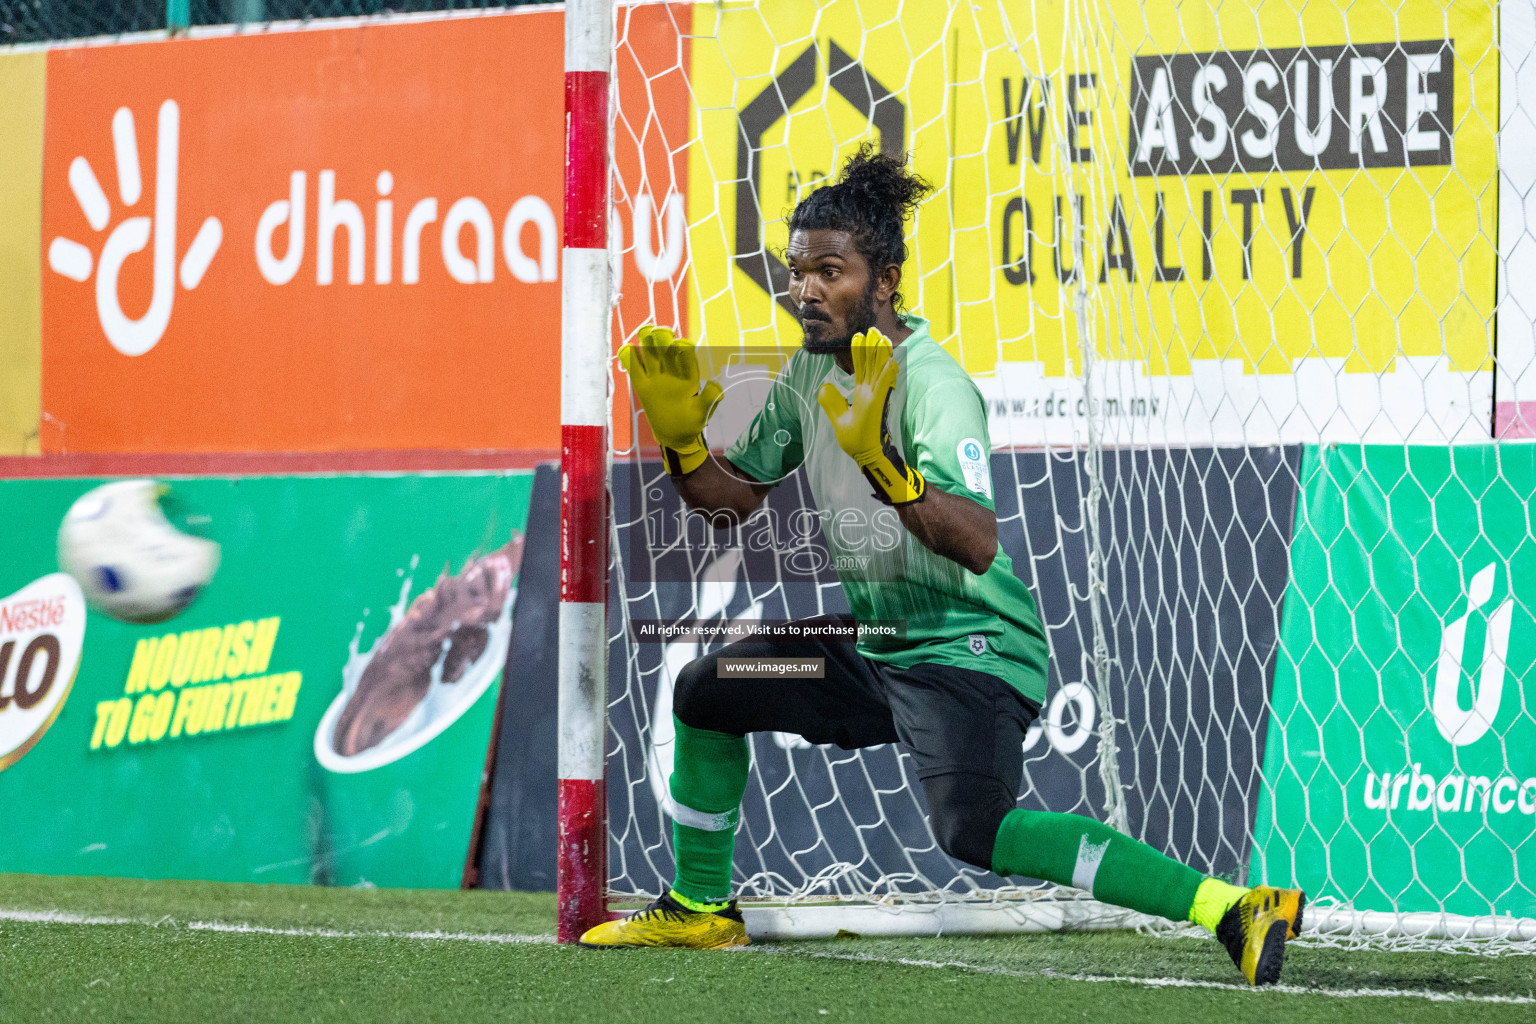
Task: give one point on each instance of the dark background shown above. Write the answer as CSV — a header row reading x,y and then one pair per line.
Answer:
x,y
1195,546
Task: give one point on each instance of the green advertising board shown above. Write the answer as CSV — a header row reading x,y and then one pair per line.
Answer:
x,y
319,714
1400,764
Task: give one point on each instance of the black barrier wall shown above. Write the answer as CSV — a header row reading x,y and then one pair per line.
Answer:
x,y
1195,556
517,838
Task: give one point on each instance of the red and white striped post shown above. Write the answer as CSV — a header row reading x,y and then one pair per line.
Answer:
x,y
582,867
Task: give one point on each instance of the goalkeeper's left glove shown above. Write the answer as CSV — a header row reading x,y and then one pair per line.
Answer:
x,y
664,372
859,421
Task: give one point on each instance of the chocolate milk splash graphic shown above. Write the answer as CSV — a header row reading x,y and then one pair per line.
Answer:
x,y
415,675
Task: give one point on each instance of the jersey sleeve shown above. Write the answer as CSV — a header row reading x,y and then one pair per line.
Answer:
x,y
771,447
947,428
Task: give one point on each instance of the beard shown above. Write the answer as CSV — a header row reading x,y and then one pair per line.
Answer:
x,y
858,320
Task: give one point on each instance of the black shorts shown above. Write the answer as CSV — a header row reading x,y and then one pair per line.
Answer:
x,y
950,719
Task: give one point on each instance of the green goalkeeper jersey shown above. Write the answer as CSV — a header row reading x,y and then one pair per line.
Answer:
x,y
936,417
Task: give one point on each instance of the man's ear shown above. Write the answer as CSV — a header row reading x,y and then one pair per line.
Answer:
x,y
888,282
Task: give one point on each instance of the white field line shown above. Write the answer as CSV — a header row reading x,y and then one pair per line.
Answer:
x,y
1296,990
328,933
241,928
61,917
65,917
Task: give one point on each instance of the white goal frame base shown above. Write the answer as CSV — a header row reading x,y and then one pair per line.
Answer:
x,y
769,920
772,921
1343,922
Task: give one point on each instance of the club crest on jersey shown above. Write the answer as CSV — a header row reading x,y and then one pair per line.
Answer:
x,y
974,470
978,644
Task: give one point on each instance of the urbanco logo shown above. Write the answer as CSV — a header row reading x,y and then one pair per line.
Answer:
x,y
1498,778
71,259
1459,725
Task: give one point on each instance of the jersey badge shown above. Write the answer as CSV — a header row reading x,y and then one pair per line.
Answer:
x,y
978,644
973,466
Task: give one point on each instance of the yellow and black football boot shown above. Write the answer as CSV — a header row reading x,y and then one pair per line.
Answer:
x,y
667,923
1254,930
1289,904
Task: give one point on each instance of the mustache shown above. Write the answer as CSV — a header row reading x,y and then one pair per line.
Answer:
x,y
811,314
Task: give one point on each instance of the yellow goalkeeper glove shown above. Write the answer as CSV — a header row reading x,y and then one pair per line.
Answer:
x,y
664,373
859,421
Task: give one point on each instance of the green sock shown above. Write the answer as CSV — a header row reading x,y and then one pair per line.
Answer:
x,y
709,776
1069,849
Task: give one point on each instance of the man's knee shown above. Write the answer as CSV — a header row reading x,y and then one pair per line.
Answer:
x,y
965,812
690,702
966,837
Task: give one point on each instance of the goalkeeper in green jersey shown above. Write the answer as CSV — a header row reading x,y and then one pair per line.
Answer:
x,y
880,418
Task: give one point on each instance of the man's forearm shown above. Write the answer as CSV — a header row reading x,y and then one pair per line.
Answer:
x,y
716,491
953,526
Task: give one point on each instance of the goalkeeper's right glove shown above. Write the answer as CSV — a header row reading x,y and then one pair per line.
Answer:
x,y
859,423
664,373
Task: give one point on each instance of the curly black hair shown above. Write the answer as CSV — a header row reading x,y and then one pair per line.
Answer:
x,y
873,197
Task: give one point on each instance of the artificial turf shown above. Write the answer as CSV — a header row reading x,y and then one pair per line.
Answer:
x,y
361,955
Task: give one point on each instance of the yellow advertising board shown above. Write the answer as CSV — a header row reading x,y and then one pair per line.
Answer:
x,y
1159,221
1152,221
23,77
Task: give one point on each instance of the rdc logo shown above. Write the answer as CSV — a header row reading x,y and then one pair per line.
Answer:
x,y
73,260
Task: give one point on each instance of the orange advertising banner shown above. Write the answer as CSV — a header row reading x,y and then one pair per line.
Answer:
x,y
315,241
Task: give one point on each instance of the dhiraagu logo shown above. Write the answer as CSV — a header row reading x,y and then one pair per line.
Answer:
x,y
75,260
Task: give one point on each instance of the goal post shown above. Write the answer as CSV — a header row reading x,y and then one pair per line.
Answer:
x,y
1210,267
586,316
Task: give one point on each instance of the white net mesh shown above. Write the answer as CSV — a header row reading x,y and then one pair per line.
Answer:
x,y
1228,281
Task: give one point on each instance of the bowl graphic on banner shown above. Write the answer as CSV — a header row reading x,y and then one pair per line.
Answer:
x,y
441,652
42,630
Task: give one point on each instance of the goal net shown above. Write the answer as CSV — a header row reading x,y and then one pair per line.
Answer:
x,y
1229,282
